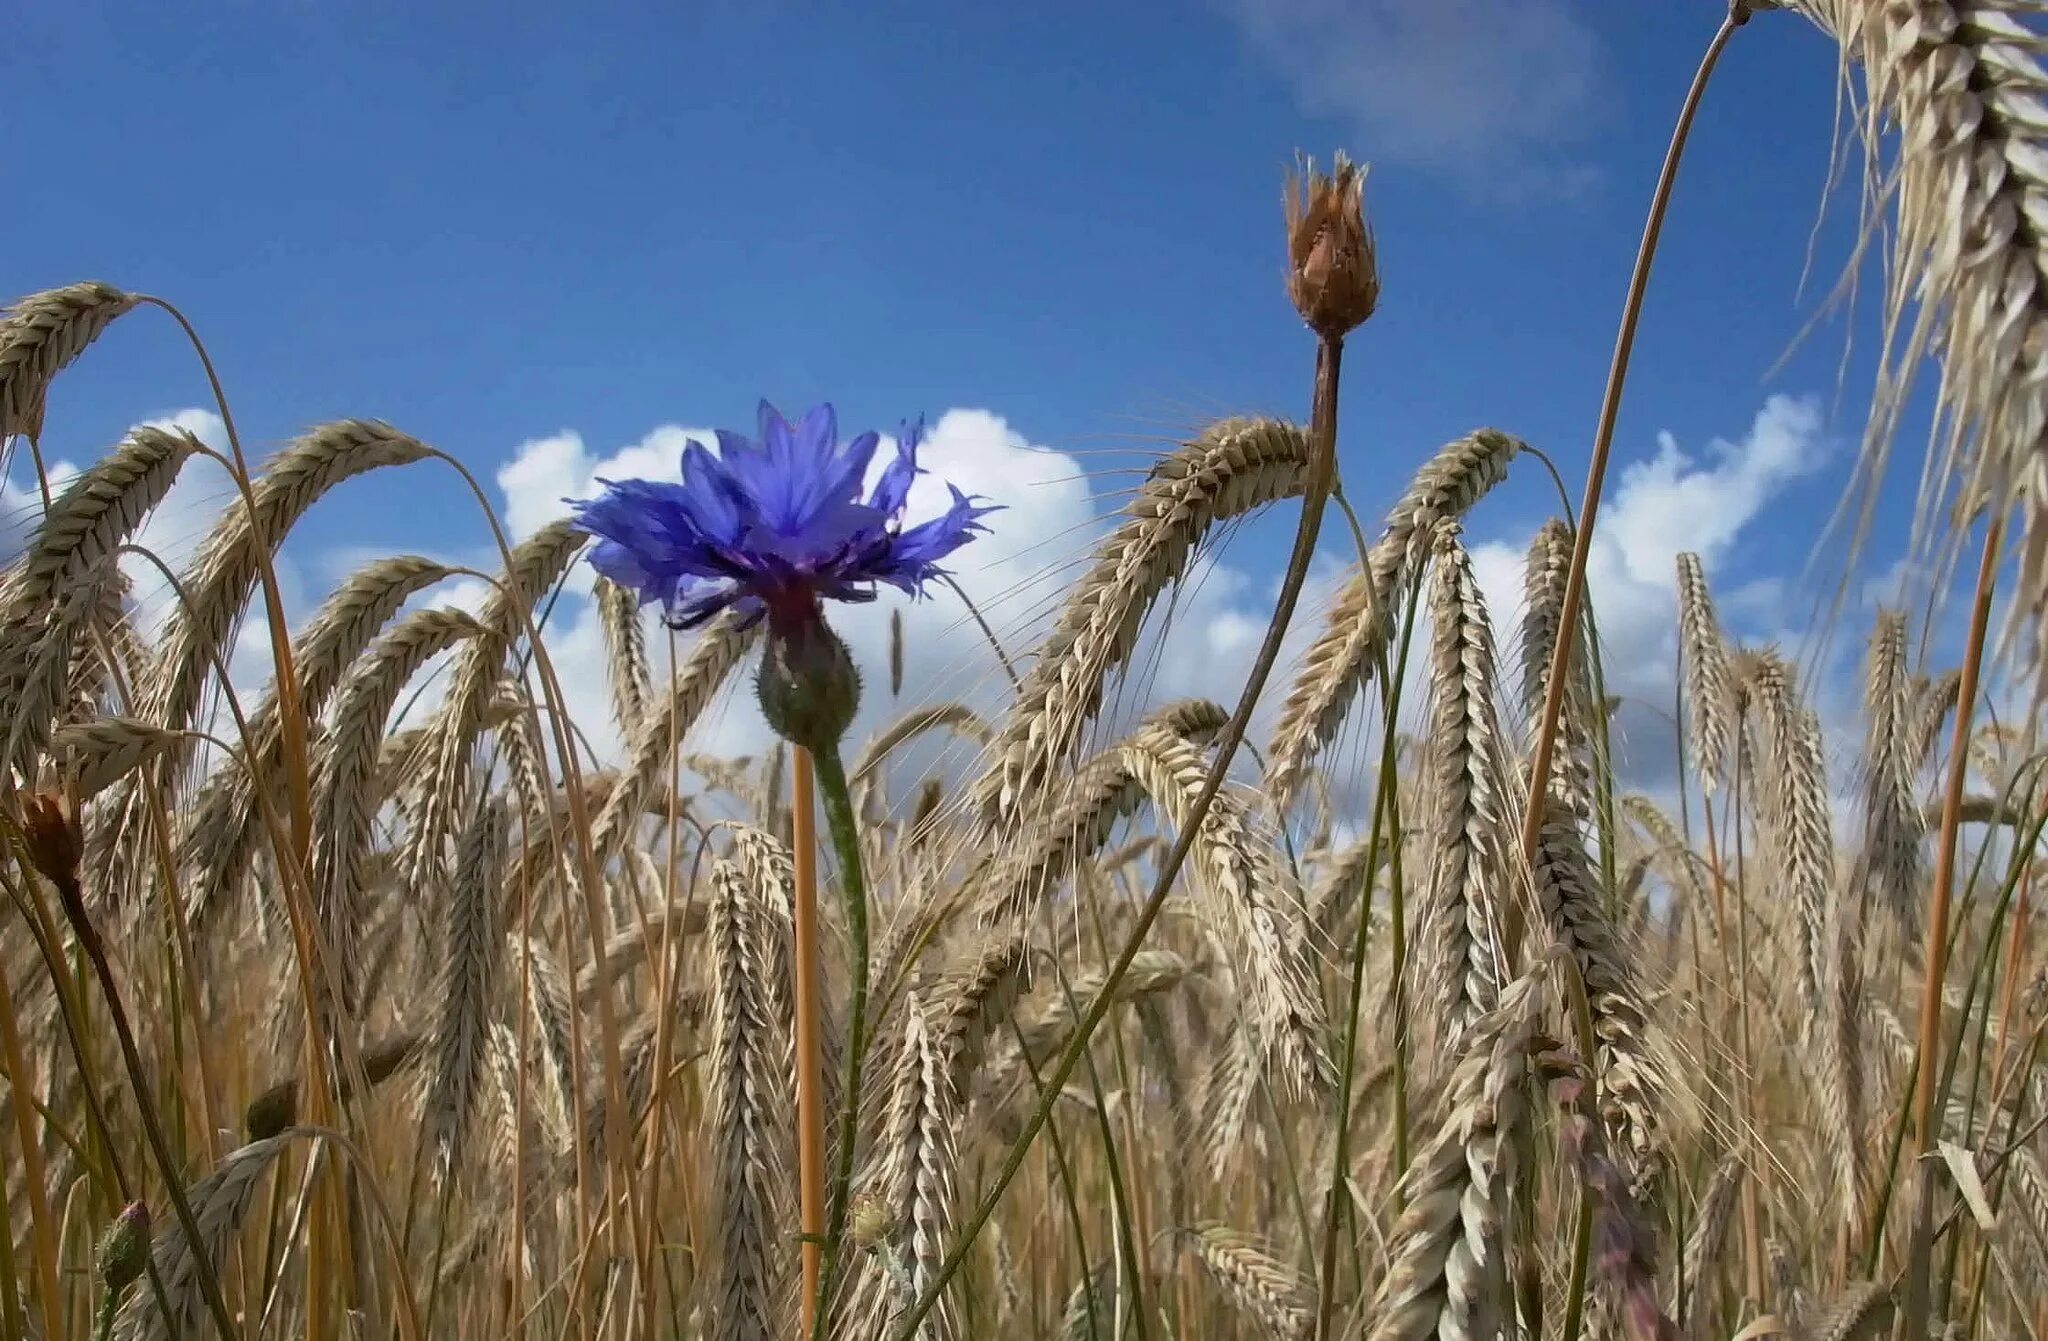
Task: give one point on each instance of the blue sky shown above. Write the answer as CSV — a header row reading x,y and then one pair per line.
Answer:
x,y
492,224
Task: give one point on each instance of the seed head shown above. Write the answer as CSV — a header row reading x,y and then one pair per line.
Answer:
x,y
869,1220
808,686
124,1248
1332,271
55,839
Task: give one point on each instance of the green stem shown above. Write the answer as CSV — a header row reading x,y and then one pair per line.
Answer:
x,y
844,831
110,1303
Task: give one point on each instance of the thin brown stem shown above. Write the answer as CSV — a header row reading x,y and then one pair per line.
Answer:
x,y
810,1085
1913,1309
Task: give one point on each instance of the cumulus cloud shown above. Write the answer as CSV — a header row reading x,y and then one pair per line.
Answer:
x,y
1199,644
1488,93
1671,502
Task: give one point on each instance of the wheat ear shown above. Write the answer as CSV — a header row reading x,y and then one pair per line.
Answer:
x,y
747,1077
1360,623
1233,468
39,337
1447,1277
471,944
1893,826
1461,956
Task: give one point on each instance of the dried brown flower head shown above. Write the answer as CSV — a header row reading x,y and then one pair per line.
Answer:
x,y
1332,272
55,839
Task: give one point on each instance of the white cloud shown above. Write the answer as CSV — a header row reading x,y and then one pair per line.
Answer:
x,y
1486,91
1661,506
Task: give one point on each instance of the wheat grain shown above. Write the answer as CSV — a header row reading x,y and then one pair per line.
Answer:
x,y
1704,659
1263,1288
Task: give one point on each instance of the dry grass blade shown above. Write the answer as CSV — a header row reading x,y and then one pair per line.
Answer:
x,y
39,336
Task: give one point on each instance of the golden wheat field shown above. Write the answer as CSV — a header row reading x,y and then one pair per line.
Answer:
x,y
1371,1004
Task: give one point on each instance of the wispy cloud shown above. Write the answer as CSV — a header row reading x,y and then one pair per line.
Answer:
x,y
1491,94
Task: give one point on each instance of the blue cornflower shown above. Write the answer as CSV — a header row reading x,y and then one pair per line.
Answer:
x,y
773,527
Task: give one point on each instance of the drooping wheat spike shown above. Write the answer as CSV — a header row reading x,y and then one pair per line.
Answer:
x,y
1634,1092
224,571
471,943
720,646
1361,621
39,336
1543,582
1682,867
96,512
1235,467
1152,971
1264,1288
537,563
1964,86
40,687
1340,881
1091,1305
1862,1312
94,515
1446,1277
107,653
747,1078
1703,1248
1893,827
93,754
344,767
1461,952
220,1202
625,655
1933,701
1703,657
1798,818
1255,910
955,717
915,1179
225,826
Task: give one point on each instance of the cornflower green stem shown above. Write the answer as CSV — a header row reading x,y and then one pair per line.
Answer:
x,y
844,831
110,1304
1316,495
